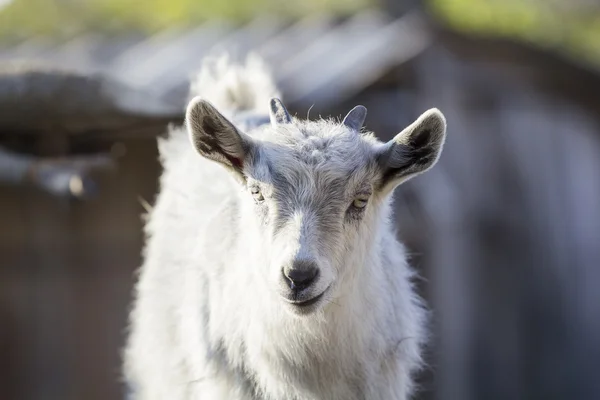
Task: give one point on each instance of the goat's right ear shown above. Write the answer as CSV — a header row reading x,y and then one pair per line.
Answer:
x,y
215,138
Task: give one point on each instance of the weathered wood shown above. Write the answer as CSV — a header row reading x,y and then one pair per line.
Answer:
x,y
36,99
65,280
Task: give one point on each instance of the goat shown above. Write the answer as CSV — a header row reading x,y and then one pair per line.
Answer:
x,y
271,269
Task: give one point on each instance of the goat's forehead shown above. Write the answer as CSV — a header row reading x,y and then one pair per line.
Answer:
x,y
317,152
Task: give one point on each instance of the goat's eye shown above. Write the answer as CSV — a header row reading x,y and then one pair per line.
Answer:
x,y
360,202
258,197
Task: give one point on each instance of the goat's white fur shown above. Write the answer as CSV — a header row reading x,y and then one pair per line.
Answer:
x,y
203,326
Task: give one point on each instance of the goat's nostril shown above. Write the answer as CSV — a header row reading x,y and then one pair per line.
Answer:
x,y
301,278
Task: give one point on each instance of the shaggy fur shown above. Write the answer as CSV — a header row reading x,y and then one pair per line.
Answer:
x,y
213,315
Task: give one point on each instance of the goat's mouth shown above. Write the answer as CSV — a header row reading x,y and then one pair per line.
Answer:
x,y
305,306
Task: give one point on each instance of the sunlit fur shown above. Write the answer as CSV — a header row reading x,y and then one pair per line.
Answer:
x,y
208,320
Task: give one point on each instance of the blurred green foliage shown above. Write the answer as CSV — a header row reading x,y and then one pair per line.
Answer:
x,y
65,18
570,26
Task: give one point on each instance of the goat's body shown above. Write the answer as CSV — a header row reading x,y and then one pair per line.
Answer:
x,y
204,327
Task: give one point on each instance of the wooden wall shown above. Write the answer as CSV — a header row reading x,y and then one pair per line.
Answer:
x,y
65,278
506,231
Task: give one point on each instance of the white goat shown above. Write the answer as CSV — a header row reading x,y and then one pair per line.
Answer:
x,y
272,270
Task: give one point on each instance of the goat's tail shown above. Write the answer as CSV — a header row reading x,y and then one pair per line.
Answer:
x,y
234,87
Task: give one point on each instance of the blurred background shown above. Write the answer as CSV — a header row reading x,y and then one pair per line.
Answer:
x,y
505,230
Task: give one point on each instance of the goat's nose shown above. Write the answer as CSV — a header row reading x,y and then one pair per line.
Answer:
x,y
301,274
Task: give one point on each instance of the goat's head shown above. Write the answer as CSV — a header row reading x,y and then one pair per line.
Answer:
x,y
312,191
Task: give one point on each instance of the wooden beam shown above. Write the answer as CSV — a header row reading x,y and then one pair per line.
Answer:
x,y
63,177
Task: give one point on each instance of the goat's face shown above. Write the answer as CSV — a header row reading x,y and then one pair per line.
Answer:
x,y
309,209
312,189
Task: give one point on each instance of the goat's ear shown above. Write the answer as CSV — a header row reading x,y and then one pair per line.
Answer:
x,y
413,151
215,138
278,113
355,119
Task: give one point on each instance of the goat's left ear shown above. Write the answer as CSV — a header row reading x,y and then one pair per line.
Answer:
x,y
216,138
413,151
